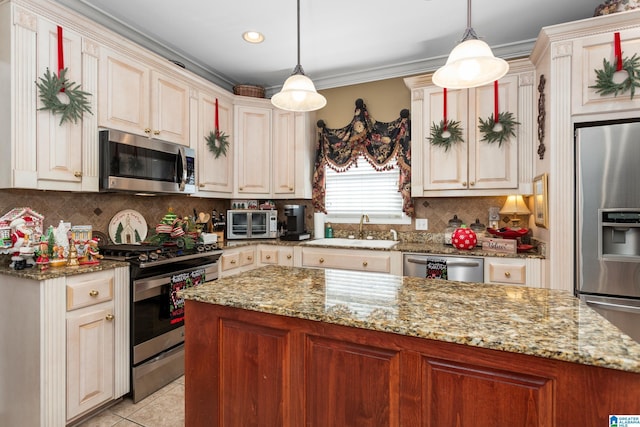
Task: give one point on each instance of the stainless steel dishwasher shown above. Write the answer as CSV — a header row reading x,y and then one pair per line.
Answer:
x,y
463,269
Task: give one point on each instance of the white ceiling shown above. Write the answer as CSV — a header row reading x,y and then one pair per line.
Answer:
x,y
342,41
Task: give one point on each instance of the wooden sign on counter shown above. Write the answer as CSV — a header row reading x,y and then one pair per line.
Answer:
x,y
505,246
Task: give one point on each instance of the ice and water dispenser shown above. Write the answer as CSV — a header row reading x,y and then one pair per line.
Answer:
x,y
619,234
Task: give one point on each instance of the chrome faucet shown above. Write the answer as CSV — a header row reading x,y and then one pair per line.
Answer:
x,y
362,219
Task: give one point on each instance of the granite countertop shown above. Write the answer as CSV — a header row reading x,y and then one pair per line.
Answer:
x,y
35,273
414,247
539,322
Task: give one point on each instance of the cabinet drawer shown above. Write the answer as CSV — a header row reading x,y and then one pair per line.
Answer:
x,y
85,292
507,273
356,260
269,256
237,259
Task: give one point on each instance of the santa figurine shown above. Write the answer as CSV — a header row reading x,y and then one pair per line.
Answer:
x,y
20,242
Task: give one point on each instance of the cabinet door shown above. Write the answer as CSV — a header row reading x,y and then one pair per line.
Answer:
x,y
215,176
492,165
284,153
253,157
588,56
123,103
59,153
169,109
90,359
444,169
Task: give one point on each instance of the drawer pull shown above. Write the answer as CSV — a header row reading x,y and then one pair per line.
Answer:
x,y
289,256
233,261
365,263
93,293
268,257
507,274
77,174
250,258
110,317
147,130
321,260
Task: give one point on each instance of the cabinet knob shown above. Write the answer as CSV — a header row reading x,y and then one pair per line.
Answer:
x,y
321,260
289,256
77,174
201,185
240,188
156,132
109,317
93,293
365,263
507,274
233,261
290,188
250,258
472,183
147,130
268,257
464,183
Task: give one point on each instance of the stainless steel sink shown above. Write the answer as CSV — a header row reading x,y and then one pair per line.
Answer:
x,y
353,243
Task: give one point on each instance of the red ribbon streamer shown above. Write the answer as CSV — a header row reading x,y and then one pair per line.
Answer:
x,y
60,53
618,50
216,119
445,109
495,101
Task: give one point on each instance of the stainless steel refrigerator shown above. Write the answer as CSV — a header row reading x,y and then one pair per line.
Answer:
x,y
608,221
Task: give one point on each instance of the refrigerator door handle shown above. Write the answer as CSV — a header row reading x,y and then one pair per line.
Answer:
x,y
612,306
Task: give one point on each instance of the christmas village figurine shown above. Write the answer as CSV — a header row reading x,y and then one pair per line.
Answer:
x,y
22,255
91,252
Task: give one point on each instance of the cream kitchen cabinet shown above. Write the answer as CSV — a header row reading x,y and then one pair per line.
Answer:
x,y
515,271
60,355
215,175
275,151
45,154
353,259
588,55
137,98
473,167
276,255
236,260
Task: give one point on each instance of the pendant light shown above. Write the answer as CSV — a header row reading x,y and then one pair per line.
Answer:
x,y
298,92
471,63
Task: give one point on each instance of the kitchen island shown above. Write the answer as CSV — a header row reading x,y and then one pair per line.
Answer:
x,y
292,346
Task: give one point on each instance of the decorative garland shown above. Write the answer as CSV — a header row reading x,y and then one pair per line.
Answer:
x,y
604,78
444,135
218,142
498,131
50,87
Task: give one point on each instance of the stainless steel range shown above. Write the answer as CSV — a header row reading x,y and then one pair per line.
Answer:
x,y
157,315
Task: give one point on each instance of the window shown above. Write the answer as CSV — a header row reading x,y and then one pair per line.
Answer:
x,y
363,190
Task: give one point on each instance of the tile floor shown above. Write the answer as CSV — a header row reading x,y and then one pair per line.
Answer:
x,y
164,408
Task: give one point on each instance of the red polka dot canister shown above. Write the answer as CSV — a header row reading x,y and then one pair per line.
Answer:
x,y
464,238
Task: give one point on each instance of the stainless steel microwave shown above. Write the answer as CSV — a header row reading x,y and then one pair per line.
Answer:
x,y
252,224
138,164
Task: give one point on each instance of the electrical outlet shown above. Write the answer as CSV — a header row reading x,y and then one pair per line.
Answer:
x,y
422,224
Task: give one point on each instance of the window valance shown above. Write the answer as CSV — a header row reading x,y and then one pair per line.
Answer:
x,y
378,142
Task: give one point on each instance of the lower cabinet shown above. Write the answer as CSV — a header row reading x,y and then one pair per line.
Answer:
x,y
237,260
515,271
65,346
270,370
353,259
90,340
276,255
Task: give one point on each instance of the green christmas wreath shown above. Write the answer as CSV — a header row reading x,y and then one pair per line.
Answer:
x,y
604,78
445,138
218,142
51,85
498,131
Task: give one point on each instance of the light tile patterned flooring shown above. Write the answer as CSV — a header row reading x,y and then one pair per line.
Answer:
x,y
164,408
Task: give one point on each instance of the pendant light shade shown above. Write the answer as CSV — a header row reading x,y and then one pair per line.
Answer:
x,y
298,91
471,63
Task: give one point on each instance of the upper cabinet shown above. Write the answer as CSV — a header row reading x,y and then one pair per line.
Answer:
x,y
473,167
215,175
44,153
274,155
138,99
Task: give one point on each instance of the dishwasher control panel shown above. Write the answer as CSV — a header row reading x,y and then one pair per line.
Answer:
x,y
434,266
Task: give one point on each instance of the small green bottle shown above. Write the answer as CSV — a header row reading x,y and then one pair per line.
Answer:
x,y
328,231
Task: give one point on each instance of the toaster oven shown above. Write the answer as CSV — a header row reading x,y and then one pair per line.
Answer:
x,y
252,224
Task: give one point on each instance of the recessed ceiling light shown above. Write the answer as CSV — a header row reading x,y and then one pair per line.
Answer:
x,y
253,36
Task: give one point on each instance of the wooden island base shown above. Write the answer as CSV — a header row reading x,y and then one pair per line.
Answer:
x,y
245,368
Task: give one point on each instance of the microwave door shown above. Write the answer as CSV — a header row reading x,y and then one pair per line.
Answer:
x,y
181,169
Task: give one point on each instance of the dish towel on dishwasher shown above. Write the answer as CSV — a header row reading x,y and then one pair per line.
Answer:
x,y
436,268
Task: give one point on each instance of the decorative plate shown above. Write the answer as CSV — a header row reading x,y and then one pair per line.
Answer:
x,y
128,226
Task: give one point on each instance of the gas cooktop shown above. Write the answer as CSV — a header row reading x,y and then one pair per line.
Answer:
x,y
152,255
